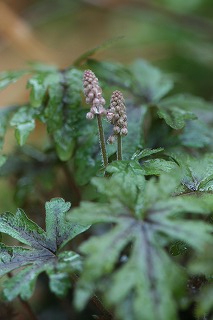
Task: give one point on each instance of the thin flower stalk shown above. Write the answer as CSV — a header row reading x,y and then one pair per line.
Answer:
x,y
93,94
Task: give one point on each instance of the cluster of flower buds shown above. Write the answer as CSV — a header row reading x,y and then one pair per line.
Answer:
x,y
93,94
116,115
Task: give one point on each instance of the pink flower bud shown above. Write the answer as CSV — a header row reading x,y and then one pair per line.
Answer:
x,y
90,116
124,131
96,101
110,116
102,100
94,110
116,129
91,95
102,111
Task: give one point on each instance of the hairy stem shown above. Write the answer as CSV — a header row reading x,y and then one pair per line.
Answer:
x,y
119,148
102,140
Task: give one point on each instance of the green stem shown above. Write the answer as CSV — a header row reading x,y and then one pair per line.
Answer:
x,y
102,140
119,150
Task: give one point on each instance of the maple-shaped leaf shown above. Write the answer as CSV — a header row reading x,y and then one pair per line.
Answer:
x,y
41,252
129,265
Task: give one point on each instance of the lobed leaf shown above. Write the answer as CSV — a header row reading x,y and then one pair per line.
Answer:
x,y
42,253
129,265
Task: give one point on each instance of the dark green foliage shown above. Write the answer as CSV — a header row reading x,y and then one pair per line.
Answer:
x,y
129,264
42,253
152,211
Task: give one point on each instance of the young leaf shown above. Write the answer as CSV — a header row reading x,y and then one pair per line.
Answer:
x,y
130,261
42,251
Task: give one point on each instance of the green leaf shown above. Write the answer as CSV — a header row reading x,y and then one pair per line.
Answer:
x,y
4,120
22,228
42,253
174,116
39,83
134,139
24,122
196,134
129,263
178,109
59,275
9,77
60,94
197,173
112,73
56,225
62,114
139,154
150,82
158,166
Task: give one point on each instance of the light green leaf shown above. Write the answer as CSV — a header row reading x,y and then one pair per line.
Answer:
x,y
39,84
24,122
